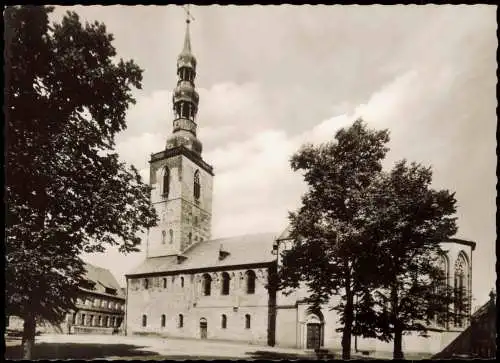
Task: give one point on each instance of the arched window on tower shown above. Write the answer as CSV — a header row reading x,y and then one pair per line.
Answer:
x,y
207,284
171,237
197,185
223,321
461,290
225,283
163,235
163,320
166,182
250,279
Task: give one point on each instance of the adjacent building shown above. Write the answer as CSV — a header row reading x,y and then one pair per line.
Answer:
x,y
100,308
193,286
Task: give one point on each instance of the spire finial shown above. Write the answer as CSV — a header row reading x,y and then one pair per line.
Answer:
x,y
189,17
187,38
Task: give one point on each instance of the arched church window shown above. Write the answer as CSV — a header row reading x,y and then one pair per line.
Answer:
x,y
197,185
163,235
442,287
181,320
144,321
250,279
461,289
171,237
166,182
224,321
182,281
225,283
207,284
163,320
247,321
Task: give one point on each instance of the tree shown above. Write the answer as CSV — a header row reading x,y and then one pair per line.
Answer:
x,y
66,96
407,220
331,253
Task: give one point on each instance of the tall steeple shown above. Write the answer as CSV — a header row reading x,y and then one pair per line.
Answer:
x,y
185,99
181,181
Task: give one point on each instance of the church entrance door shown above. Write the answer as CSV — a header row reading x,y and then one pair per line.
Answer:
x,y
313,336
203,328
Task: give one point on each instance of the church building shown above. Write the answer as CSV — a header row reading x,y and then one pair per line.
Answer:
x,y
193,286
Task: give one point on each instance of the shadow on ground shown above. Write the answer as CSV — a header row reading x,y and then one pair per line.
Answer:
x,y
262,354
78,351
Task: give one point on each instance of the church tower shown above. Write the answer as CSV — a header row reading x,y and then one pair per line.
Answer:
x,y
180,178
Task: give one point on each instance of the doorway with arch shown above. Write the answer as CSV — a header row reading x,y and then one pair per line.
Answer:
x,y
203,328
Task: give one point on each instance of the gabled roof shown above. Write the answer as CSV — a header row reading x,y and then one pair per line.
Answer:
x,y
241,250
103,278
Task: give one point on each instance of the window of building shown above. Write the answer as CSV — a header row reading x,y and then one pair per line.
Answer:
x,y
171,239
197,185
223,321
164,282
73,321
182,281
166,182
146,284
82,319
247,321
181,320
207,284
163,320
190,235
96,302
144,321
163,237
461,290
106,321
92,322
225,283
250,279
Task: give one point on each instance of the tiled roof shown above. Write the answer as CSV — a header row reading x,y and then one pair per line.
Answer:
x,y
241,250
102,277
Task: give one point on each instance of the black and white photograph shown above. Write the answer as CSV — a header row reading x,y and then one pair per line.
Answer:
x,y
259,182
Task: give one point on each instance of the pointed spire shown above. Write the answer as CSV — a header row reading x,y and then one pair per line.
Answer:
x,y
187,39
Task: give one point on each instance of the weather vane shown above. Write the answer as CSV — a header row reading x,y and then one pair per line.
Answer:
x,y
189,17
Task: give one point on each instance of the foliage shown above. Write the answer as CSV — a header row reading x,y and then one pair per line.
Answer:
x,y
66,97
407,220
330,254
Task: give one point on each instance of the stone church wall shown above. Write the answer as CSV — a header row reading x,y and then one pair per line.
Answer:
x,y
190,301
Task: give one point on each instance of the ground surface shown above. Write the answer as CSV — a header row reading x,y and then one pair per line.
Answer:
x,y
152,348
142,348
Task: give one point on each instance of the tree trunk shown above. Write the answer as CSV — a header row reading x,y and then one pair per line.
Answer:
x,y
28,342
398,343
397,352
348,318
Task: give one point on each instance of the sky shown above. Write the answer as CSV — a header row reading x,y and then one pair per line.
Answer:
x,y
271,78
